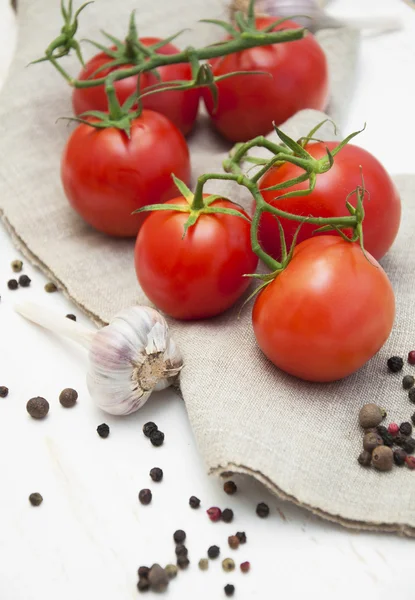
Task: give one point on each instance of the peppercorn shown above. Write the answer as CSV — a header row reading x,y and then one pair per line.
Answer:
x,y
171,571
228,565
143,572
370,415
410,462
233,542
372,441
411,357
412,418
245,566
17,266
181,550
4,391
382,458
179,536
405,428
229,487
408,382
229,589
143,584
399,457
203,564
35,499
68,397
395,364
214,513
103,430
145,496
388,439
50,287
24,281
365,458
213,551
411,395
409,445
156,474
183,562
194,502
227,515
380,429
12,284
158,578
148,428
157,438
37,407
393,429
262,510
71,317
241,537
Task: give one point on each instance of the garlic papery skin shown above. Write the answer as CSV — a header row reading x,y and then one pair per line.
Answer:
x,y
128,359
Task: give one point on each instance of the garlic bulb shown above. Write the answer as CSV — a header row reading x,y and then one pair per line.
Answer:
x,y
128,359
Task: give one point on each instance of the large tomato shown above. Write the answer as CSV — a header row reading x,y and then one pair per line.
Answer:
x,y
180,107
199,275
327,313
382,206
106,175
248,104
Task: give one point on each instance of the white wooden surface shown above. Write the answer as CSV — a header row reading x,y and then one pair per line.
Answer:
x,y
90,534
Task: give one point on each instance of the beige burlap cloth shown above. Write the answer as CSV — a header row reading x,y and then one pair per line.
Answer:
x,y
300,440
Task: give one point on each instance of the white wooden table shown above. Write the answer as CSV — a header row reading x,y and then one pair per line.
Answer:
x,y
90,534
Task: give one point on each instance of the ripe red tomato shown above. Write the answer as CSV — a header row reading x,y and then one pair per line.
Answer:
x,y
180,107
200,275
248,104
327,314
107,176
382,207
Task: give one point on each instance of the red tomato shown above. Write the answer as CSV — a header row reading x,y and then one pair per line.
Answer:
x,y
382,207
327,314
107,176
200,275
180,107
248,104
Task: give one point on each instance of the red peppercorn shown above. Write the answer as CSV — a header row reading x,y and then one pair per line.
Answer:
x,y
214,513
410,462
245,566
393,429
411,357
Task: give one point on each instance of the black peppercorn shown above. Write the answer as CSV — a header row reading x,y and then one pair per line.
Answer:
x,y
388,439
183,562
399,457
143,572
381,429
17,266
143,584
411,394
157,438
412,418
241,537
407,382
156,474
227,515
145,496
35,499
229,487
50,287
148,428
365,458
409,445
262,510
194,502
12,284
103,430
395,364
24,281
4,391
71,317
158,578
213,551
181,550
179,536
229,589
405,428
68,397
37,407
